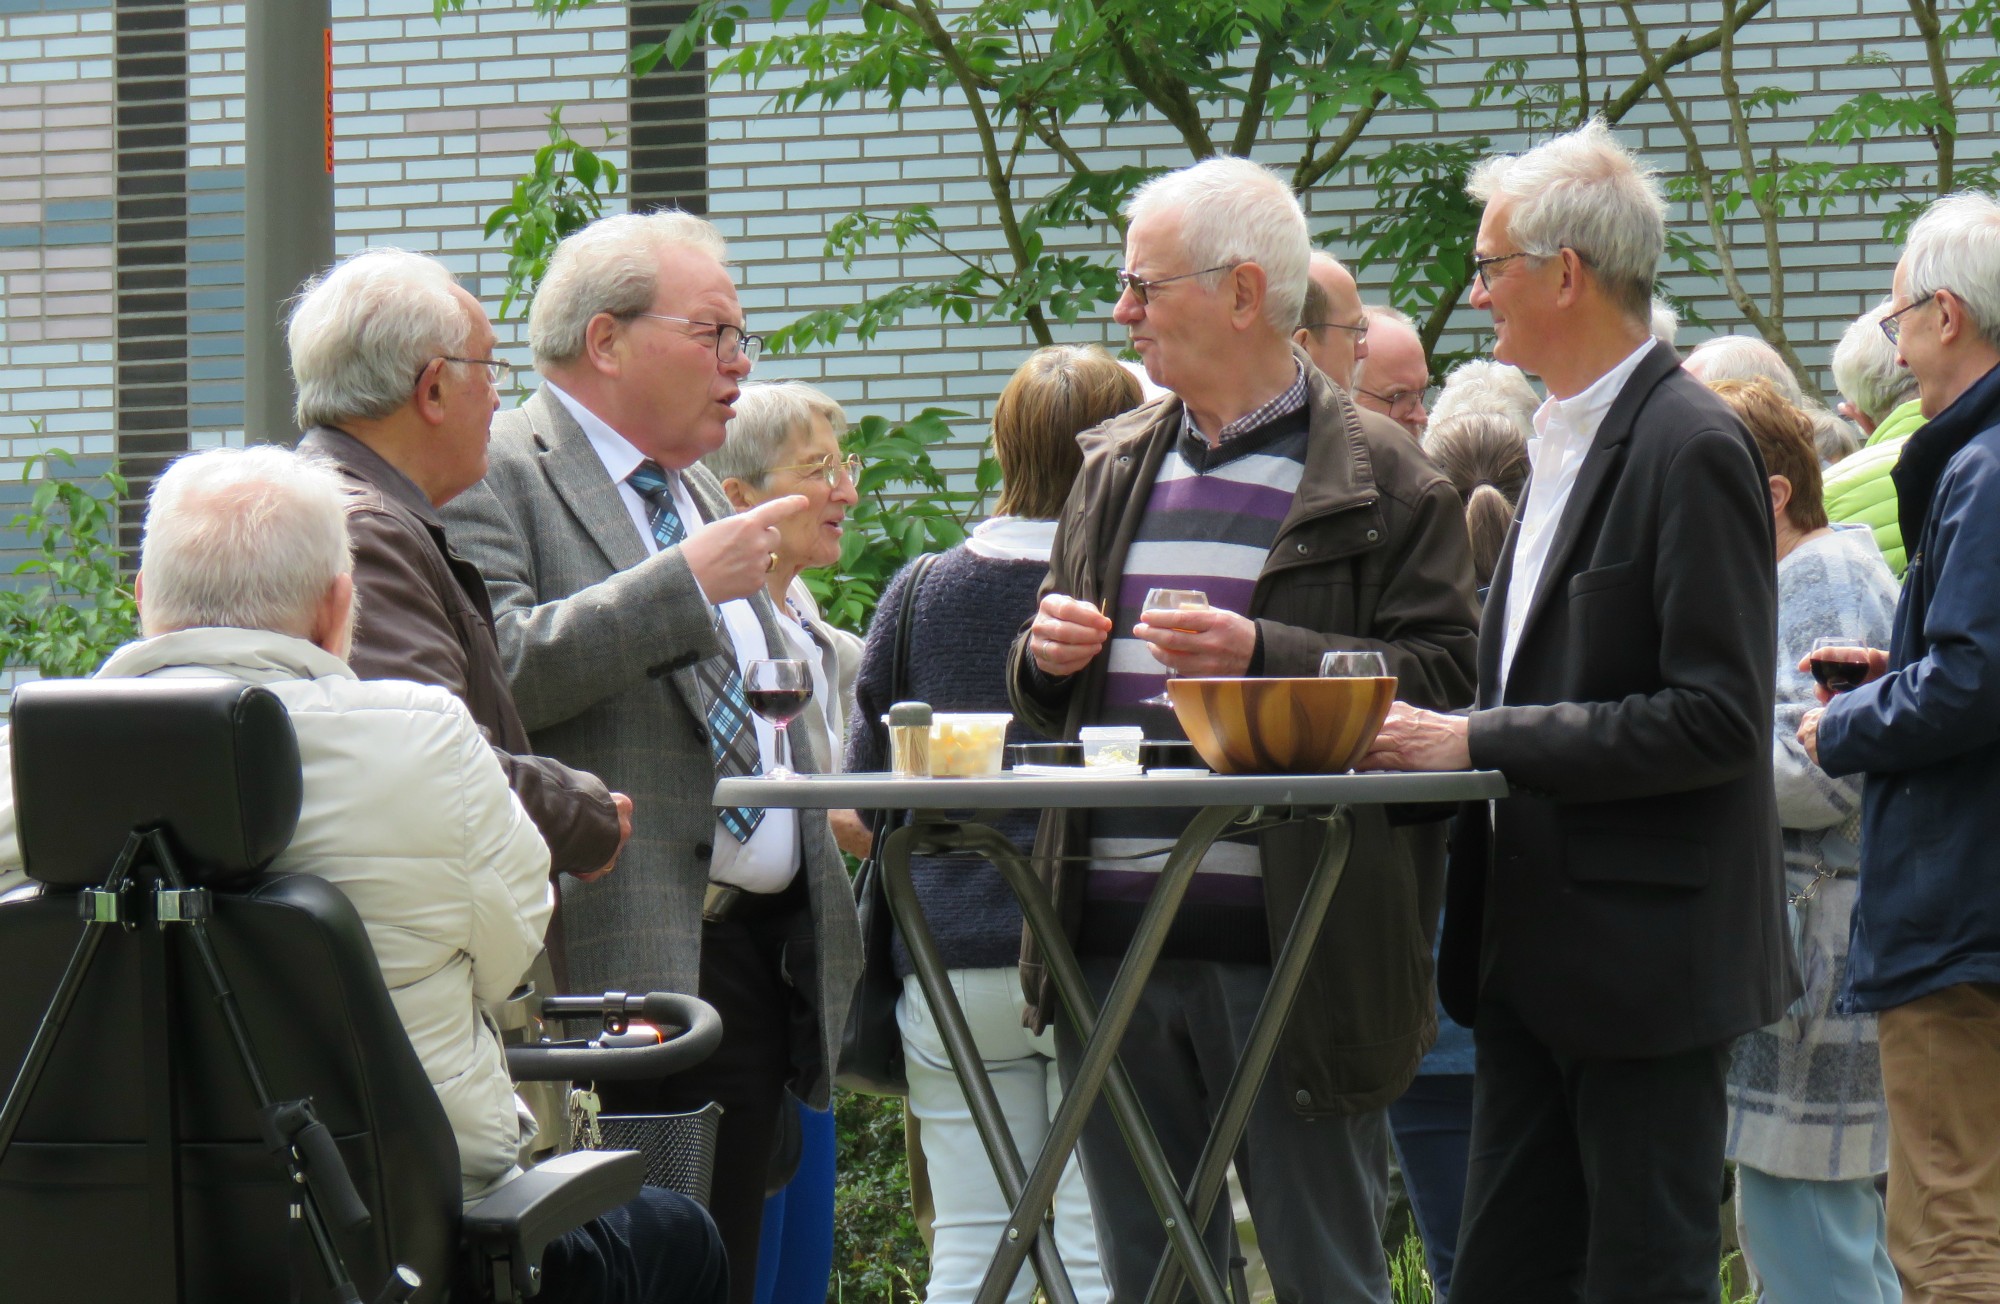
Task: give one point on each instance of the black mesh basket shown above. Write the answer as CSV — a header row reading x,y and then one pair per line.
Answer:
x,y
679,1148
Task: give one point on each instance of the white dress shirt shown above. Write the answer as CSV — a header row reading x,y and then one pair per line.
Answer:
x,y
769,859
1565,428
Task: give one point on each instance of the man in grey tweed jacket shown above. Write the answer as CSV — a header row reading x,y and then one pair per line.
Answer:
x,y
624,594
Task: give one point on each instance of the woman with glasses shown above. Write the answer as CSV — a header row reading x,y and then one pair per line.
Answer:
x,y
971,604
783,440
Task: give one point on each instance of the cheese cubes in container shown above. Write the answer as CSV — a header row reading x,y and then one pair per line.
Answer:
x,y
967,744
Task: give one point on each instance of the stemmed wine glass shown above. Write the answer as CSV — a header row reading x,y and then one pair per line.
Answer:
x,y
778,690
1163,600
1353,665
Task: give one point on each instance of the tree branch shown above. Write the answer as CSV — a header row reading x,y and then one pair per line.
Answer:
x,y
1582,60
1258,93
1312,168
1945,139
1761,196
924,15
1683,49
1167,94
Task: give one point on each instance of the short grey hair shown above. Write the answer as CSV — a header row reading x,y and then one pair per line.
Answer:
x,y
1665,323
1865,370
1833,438
1488,389
1236,211
1584,191
243,538
1955,246
1744,357
612,265
361,333
766,416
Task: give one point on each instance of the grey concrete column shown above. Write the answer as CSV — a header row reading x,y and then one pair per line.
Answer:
x,y
287,193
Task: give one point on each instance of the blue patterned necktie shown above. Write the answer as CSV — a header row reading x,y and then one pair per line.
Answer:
x,y
732,739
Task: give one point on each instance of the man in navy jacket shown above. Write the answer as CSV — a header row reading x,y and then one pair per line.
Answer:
x,y
1926,732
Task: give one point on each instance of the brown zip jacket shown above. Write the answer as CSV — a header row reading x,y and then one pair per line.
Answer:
x,y
1373,555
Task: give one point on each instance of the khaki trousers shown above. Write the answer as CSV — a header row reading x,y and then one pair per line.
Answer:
x,y
1941,1070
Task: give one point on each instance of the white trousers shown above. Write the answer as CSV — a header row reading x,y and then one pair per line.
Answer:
x,y
971,1215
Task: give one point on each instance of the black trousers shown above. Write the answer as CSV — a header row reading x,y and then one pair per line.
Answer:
x,y
659,1248
746,963
1591,1180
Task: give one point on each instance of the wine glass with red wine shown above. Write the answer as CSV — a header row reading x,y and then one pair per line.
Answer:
x,y
1839,664
778,690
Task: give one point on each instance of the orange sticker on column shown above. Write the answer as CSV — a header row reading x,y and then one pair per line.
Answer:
x,y
327,47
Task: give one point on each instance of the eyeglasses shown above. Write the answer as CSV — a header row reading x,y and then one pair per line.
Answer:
x,y
1141,288
1401,403
1362,329
731,342
829,469
498,372
1480,265
1893,328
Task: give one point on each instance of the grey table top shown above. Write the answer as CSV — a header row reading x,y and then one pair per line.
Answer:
x,y
1009,791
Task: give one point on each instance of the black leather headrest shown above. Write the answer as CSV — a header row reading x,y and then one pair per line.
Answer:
x,y
213,761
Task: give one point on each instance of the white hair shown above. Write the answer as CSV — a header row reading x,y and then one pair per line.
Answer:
x,y
612,265
1488,389
766,416
361,334
1584,191
1236,211
245,538
1383,312
1955,246
1833,438
1665,324
1744,357
1865,370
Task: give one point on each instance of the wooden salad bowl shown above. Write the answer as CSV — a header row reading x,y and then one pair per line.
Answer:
x,y
1281,726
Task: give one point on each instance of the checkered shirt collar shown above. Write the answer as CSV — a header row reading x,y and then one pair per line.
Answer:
x,y
1288,401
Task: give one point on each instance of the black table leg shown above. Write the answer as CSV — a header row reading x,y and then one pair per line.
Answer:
x,y
1286,976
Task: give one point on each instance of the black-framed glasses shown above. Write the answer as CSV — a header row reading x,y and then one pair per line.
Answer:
x,y
731,342
829,469
1356,331
1479,265
496,371
1401,403
1894,328
1141,287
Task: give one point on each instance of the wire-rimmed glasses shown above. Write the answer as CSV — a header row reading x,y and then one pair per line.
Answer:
x,y
1140,287
1893,328
731,341
829,469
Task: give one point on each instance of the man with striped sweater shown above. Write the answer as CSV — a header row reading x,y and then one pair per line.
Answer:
x,y
1311,527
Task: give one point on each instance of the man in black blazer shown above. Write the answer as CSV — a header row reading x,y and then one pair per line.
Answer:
x,y
1613,925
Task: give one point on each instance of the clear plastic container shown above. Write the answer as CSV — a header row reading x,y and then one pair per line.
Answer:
x,y
1111,744
968,745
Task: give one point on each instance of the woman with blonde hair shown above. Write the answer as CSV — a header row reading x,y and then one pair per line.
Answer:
x,y
967,610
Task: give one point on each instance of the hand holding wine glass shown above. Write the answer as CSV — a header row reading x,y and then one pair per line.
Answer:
x,y
778,690
1841,665
1158,612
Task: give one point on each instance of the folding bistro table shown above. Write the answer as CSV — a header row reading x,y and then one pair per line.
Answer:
x,y
1221,801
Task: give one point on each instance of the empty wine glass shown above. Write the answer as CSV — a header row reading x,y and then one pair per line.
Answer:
x,y
1353,665
1160,601
778,690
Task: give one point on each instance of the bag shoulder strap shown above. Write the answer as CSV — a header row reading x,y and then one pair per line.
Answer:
x,y
899,662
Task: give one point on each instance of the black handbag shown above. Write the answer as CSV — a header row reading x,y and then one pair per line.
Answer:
x,y
871,1046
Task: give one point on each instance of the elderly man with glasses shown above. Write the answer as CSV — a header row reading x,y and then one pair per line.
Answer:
x,y
1333,327
1310,526
396,389
1614,925
1395,376
629,604
1925,730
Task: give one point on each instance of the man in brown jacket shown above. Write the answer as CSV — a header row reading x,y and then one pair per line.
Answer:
x,y
1310,527
396,388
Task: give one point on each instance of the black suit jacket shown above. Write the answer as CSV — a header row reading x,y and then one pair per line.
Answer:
x,y
1628,899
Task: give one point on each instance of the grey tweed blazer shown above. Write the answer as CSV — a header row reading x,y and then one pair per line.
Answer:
x,y
592,630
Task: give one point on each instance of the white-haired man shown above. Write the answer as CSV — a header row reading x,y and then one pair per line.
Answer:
x,y
1878,394
1744,357
628,604
1311,526
403,449
1618,922
245,573
1492,388
1926,731
1394,376
1333,329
